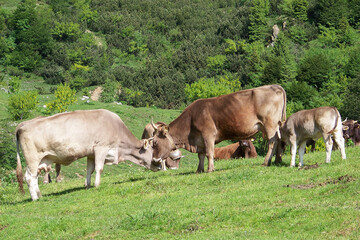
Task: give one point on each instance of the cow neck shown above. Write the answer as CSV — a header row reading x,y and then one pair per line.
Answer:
x,y
179,134
132,149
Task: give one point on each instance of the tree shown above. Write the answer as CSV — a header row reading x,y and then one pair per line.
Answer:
x,y
300,8
329,12
351,103
258,22
314,69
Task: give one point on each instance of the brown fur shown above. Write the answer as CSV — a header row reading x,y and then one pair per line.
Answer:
x,y
241,149
235,116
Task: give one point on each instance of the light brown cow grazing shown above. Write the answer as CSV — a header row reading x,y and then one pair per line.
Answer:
x,y
99,135
312,124
235,116
173,161
241,149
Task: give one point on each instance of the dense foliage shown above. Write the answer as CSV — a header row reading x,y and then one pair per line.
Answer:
x,y
163,53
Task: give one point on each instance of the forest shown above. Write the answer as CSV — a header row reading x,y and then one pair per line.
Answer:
x,y
169,53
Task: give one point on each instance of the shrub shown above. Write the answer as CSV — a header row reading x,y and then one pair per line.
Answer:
x,y
66,30
77,83
110,89
211,87
14,84
132,97
64,96
7,147
53,73
21,104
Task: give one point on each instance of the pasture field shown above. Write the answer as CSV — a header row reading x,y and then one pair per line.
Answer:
x,y
240,200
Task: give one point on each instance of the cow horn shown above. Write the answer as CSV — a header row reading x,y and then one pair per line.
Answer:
x,y
355,121
344,120
153,125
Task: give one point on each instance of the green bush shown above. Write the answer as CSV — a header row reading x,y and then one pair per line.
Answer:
x,y
211,87
7,147
64,97
77,83
21,104
53,73
132,97
14,84
66,30
109,91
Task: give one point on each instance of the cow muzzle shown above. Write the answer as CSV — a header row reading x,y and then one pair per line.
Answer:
x,y
161,164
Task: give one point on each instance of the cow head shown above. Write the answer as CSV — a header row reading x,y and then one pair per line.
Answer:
x,y
348,128
164,146
171,162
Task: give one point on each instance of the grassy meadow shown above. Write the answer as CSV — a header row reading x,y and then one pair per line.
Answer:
x,y
240,200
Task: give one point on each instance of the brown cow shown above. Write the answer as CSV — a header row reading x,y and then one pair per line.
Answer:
x,y
99,135
312,124
173,161
234,116
351,130
241,149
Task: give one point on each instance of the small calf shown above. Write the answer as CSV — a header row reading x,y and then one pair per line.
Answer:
x,y
312,124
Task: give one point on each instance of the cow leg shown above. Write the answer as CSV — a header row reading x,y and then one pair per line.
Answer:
x,y
302,148
209,144
339,139
58,168
201,162
293,148
271,149
328,144
31,178
47,178
100,155
89,170
279,152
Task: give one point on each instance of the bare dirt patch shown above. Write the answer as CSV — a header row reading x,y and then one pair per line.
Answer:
x,y
316,165
342,179
95,95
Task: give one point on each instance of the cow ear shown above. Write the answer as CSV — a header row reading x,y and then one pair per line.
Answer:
x,y
345,128
165,130
148,143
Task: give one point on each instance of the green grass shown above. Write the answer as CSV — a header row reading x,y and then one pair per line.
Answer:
x,y
240,200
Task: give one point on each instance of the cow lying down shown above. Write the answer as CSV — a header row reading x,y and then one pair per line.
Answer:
x,y
312,124
240,149
99,135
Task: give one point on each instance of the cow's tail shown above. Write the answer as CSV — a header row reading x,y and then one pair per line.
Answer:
x,y
283,113
338,117
19,173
